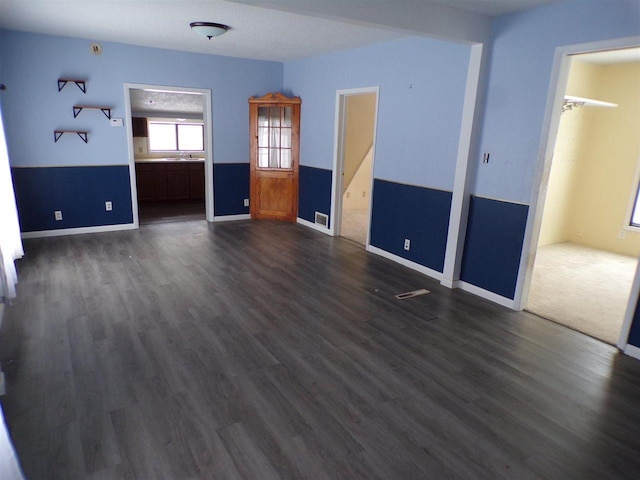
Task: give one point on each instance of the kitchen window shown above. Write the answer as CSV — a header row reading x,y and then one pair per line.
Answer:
x,y
176,137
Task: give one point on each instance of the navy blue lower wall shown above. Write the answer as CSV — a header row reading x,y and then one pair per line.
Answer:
x,y
493,246
230,188
420,214
79,192
634,332
314,192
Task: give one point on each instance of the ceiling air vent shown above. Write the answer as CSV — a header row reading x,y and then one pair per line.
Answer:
x,y
322,219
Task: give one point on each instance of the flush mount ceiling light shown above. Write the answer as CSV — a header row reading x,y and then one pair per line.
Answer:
x,y
208,29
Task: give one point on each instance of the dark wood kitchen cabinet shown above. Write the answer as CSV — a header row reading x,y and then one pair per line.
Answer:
x,y
178,181
196,181
165,181
139,127
151,181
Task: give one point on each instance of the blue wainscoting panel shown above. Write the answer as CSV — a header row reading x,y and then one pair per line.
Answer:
x,y
79,192
408,212
634,332
314,192
493,246
230,188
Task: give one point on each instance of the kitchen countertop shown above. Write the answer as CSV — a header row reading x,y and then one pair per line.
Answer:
x,y
168,160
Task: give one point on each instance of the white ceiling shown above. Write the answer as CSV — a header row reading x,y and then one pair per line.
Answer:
x,y
494,8
160,104
288,29
339,8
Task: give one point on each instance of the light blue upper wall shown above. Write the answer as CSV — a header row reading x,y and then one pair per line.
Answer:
x,y
523,48
422,85
33,107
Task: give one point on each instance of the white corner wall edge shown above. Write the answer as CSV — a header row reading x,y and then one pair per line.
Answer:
x,y
232,218
79,231
9,463
307,223
407,263
632,351
630,311
487,295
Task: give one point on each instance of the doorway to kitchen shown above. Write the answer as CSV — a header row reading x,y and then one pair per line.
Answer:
x,y
353,170
170,160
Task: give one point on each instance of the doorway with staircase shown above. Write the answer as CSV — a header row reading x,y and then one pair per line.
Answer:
x,y
356,129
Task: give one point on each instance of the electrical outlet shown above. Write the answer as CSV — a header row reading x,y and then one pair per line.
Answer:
x,y
364,194
348,194
108,206
407,244
246,202
58,215
622,235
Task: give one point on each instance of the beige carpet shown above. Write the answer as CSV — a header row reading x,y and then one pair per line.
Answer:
x,y
583,288
355,224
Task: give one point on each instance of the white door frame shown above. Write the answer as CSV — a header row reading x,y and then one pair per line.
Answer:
x,y
338,156
557,88
208,143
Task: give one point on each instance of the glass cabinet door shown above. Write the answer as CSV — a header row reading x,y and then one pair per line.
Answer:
x,y
274,137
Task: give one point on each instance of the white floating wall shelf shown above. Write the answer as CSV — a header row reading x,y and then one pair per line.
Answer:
x,y
571,102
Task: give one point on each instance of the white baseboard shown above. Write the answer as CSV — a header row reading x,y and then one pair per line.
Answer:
x,y
319,228
407,263
453,284
78,231
481,292
632,351
232,218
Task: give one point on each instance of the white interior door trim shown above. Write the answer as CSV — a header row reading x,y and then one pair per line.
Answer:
x,y
629,313
338,157
208,143
557,88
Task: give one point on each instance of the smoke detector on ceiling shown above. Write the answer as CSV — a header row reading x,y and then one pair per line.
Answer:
x,y
95,48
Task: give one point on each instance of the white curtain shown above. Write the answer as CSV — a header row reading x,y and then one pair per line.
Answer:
x,y
10,242
9,464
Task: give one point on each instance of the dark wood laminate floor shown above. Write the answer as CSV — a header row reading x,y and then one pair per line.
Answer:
x,y
266,350
171,211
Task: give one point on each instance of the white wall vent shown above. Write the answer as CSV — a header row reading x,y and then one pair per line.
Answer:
x,y
322,219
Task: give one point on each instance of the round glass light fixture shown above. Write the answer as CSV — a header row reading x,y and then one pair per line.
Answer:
x,y
208,29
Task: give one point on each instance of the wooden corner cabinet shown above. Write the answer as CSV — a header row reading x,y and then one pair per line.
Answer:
x,y
274,133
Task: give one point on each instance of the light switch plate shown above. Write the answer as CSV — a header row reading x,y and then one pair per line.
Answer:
x,y
116,122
